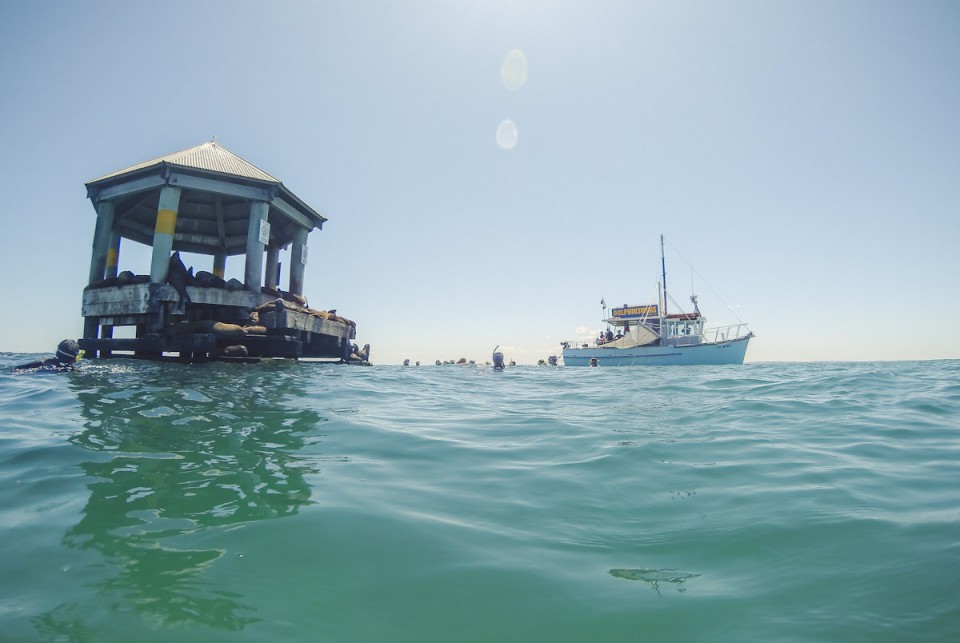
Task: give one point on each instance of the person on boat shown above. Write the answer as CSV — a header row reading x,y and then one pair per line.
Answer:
x,y
609,335
619,335
68,352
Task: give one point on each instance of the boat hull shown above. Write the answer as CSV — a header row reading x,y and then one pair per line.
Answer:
x,y
729,352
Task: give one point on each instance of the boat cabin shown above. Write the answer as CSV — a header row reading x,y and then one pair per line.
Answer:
x,y
679,329
205,201
645,326
685,329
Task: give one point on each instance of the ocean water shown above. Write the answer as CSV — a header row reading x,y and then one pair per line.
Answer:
x,y
309,502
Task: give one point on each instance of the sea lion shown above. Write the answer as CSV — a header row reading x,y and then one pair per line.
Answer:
x,y
179,328
103,283
363,355
178,275
238,350
223,330
295,298
208,280
219,329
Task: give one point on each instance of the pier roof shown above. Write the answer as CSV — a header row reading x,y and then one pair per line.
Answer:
x,y
217,189
210,156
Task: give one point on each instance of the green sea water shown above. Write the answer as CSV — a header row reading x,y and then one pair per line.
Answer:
x,y
305,502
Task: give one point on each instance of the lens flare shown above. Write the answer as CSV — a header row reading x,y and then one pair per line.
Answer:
x,y
507,135
513,73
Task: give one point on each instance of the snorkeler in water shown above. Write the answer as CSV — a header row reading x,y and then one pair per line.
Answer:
x,y
497,359
68,352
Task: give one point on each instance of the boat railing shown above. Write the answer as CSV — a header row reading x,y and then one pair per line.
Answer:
x,y
725,333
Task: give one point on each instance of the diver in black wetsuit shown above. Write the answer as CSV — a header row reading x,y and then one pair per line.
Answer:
x,y
68,352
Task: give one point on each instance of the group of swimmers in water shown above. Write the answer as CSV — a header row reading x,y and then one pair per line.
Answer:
x,y
498,362
460,362
69,352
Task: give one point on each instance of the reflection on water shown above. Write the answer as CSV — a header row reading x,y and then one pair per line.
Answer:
x,y
655,577
175,456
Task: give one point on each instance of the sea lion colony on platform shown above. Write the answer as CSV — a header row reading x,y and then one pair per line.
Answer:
x,y
179,277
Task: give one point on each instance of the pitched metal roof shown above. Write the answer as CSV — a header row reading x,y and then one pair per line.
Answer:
x,y
217,188
207,156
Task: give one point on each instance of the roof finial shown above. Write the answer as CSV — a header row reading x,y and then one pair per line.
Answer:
x,y
213,138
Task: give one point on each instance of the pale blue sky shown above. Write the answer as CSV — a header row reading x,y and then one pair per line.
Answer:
x,y
803,156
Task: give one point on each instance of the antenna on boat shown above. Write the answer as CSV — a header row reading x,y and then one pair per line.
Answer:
x,y
663,267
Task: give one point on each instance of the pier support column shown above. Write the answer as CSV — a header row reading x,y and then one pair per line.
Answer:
x,y
113,255
298,260
272,277
219,264
258,235
103,262
163,233
101,240
91,329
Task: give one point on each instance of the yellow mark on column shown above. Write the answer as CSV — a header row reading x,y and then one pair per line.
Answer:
x,y
166,221
218,272
111,257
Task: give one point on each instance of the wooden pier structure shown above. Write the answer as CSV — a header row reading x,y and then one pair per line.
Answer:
x,y
205,200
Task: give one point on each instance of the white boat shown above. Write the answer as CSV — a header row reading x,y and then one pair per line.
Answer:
x,y
650,335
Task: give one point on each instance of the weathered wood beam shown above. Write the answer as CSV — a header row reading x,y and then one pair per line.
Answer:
x,y
190,182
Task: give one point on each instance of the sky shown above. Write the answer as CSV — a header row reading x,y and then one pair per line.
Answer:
x,y
802,160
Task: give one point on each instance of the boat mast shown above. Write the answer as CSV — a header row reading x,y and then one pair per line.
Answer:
x,y
663,267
